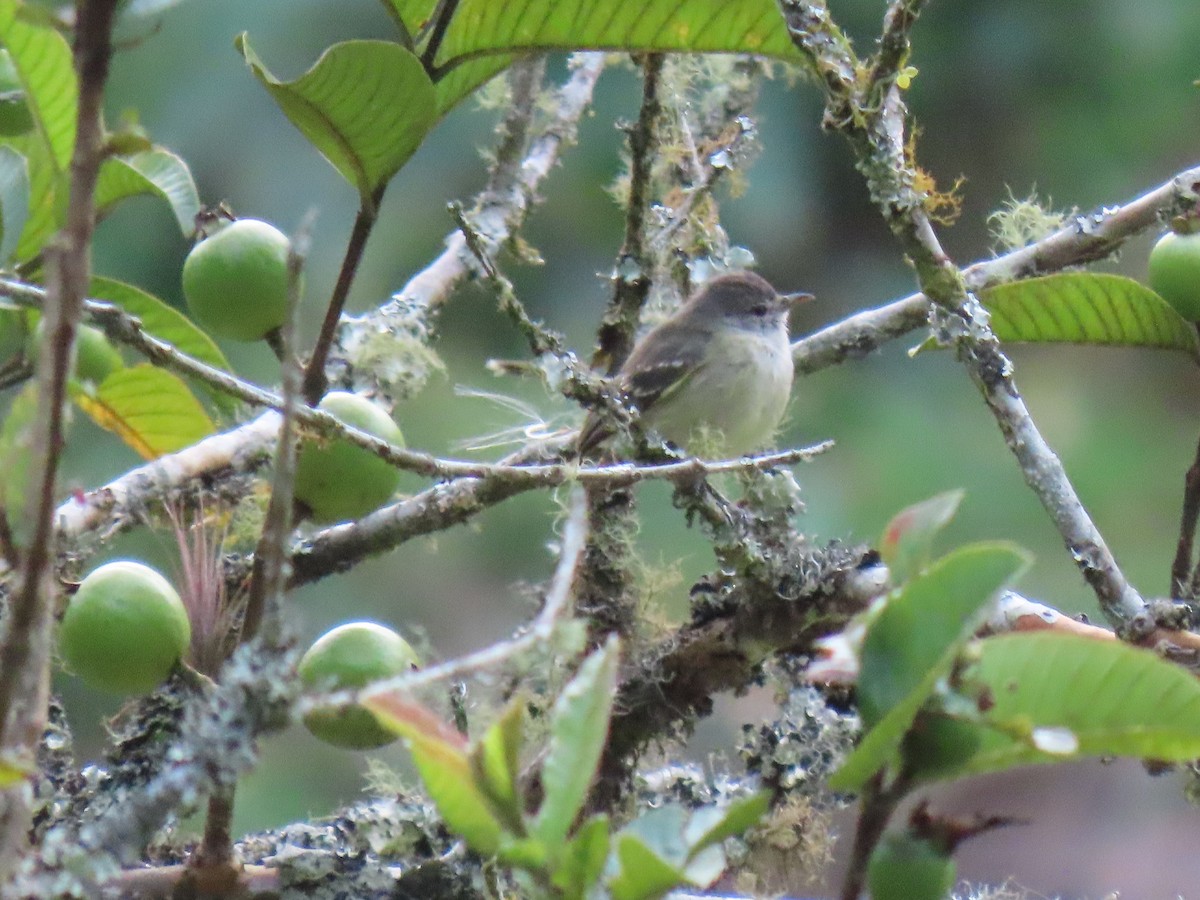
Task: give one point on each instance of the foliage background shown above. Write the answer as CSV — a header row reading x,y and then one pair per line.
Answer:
x,y
1089,101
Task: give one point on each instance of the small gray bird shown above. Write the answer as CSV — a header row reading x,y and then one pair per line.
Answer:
x,y
720,366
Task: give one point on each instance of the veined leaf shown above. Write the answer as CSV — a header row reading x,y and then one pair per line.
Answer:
x,y
581,862
1087,308
164,321
365,105
1102,698
149,408
482,28
43,63
913,642
577,731
495,765
157,172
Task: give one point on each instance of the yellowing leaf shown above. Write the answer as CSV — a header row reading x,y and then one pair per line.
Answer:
x,y
148,408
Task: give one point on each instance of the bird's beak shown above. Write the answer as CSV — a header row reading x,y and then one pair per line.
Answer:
x,y
792,300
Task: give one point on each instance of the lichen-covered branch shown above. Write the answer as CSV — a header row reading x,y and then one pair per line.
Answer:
x,y
875,128
1085,238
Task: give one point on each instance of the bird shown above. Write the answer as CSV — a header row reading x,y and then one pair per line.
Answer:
x,y
717,373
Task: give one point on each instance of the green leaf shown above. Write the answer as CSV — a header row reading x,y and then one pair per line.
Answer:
x,y
14,200
711,825
495,765
1054,697
42,59
164,321
581,863
577,732
466,77
1086,308
913,642
158,173
484,28
642,873
409,15
149,408
16,452
440,756
908,538
365,105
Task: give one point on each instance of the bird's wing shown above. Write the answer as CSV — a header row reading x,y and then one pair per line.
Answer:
x,y
658,368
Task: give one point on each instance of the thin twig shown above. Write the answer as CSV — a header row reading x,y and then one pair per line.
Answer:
x,y
315,380
1183,577
554,610
264,607
25,653
634,267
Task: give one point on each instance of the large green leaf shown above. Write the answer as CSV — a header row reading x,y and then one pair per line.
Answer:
x,y
43,63
14,200
1053,697
164,321
577,732
1086,308
913,642
365,105
158,173
484,28
149,408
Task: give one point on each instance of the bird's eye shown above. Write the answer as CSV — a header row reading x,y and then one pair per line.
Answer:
x,y
760,309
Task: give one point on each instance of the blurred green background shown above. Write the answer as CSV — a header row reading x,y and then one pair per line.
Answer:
x,y
1088,101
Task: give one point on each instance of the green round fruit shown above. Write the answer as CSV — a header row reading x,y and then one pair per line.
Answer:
x,y
236,281
15,117
14,333
337,481
95,357
907,867
350,656
1175,272
124,629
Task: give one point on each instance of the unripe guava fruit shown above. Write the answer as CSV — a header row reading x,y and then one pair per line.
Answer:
x,y
124,629
95,357
236,280
351,656
1175,272
905,866
337,481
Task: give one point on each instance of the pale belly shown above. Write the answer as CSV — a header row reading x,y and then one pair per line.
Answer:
x,y
740,412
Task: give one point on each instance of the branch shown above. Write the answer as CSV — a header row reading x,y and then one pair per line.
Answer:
x,y
875,129
315,380
499,211
25,653
1086,238
634,266
340,547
